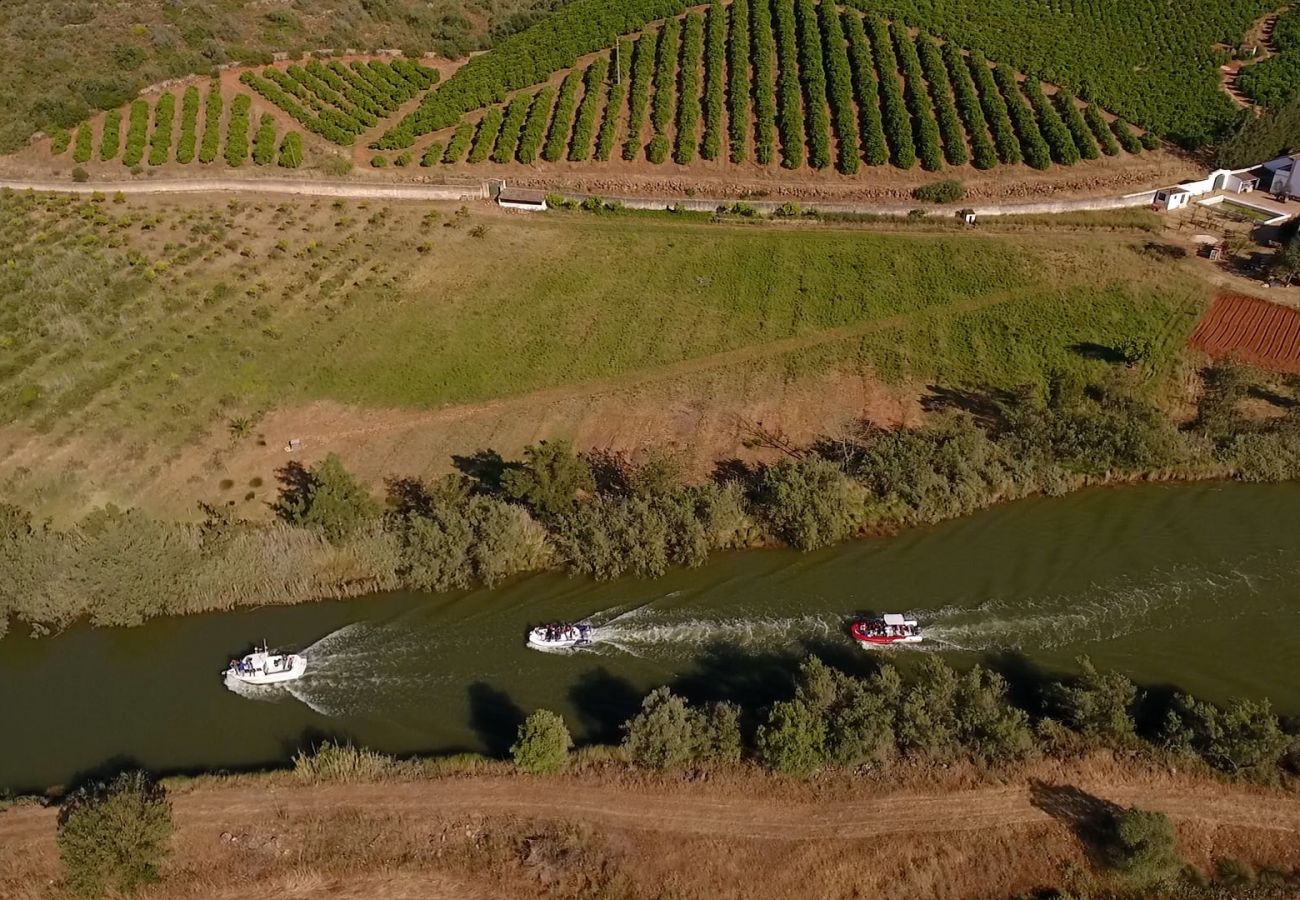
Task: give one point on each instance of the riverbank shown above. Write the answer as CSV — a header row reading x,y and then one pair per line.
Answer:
x,y
607,516
946,833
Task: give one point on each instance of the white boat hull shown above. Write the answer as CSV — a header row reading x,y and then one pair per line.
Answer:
x,y
294,667
538,640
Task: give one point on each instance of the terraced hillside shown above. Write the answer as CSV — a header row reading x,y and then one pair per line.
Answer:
x,y
795,83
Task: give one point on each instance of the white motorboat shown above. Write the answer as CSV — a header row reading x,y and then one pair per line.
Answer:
x,y
264,667
560,636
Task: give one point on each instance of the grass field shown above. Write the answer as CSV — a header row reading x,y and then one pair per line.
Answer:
x,y
142,326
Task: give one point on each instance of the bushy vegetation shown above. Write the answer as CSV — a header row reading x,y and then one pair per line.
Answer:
x,y
926,129
839,77
1034,149
264,141
459,143
715,85
111,139
291,151
995,110
617,89
663,103
160,142
543,744
188,141
1059,140
211,124
136,133
643,68
763,42
983,153
530,141
84,145
584,128
812,74
945,106
668,733
557,136
949,191
512,126
485,138
1275,81
1101,130
112,836
332,762
893,111
1080,131
789,111
237,131
866,91
688,101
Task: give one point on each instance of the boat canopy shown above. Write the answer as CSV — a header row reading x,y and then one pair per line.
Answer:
x,y
894,619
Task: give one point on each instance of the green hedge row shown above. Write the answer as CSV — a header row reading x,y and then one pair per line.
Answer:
x,y
110,142
715,81
489,127
789,110
512,126
188,142
620,72
663,104
688,99
893,111
1032,145
642,74
945,105
738,80
160,142
136,132
84,145
593,89
527,58
839,78
459,143
211,124
1124,134
237,131
291,155
866,87
535,126
1073,118
764,42
928,147
264,141
983,154
1059,140
557,138
812,68
995,108
1100,130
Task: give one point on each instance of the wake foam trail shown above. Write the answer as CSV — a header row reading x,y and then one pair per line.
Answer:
x,y
1104,612
641,632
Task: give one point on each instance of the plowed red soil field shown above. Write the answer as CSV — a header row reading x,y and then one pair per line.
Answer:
x,y
1251,330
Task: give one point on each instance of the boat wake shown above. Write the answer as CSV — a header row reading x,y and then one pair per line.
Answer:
x,y
646,632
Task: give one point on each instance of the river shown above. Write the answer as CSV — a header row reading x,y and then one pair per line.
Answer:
x,y
1193,586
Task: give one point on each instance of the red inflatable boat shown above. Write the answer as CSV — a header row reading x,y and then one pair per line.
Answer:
x,y
891,628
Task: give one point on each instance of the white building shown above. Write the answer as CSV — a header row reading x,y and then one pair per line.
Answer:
x,y
1281,176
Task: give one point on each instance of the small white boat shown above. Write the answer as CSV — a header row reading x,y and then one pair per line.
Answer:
x,y
891,628
264,667
560,636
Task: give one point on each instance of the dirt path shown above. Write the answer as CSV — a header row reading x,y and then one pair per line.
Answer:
x,y
706,812
470,191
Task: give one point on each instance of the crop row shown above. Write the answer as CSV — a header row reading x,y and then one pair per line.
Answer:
x,y
800,78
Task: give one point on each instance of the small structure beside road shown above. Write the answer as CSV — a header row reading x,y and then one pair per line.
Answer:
x,y
520,198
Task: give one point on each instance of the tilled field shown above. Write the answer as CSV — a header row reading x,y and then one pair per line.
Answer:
x,y
1250,330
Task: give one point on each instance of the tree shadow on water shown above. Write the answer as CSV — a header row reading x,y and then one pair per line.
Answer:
x,y
604,701
753,679
494,717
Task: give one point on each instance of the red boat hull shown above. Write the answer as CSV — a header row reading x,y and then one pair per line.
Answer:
x,y
864,631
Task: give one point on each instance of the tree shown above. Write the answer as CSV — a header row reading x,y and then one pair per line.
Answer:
x,y
810,503
1096,704
114,836
793,739
665,734
1244,737
543,744
326,496
1286,262
857,712
550,478
1142,844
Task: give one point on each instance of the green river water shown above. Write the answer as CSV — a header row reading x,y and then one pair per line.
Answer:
x,y
1188,586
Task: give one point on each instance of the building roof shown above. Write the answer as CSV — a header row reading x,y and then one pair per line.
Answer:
x,y
520,195
1281,164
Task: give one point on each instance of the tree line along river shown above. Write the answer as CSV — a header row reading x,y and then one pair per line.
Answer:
x,y
1187,586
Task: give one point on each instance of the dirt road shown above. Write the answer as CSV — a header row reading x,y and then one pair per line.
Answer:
x,y
713,813
473,191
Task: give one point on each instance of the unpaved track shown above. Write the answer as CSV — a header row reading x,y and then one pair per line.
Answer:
x,y
378,191
703,812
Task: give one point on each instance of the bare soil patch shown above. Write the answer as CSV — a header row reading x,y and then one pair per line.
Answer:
x,y
1251,330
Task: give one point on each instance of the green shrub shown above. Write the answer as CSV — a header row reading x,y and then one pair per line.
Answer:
x,y
1059,139
665,734
185,147
983,153
896,121
80,175
539,113
110,141
85,143
945,107
113,837
543,744
237,131
812,72
211,124
60,138
584,128
379,161
866,88
512,126
327,497
1080,132
1036,152
1142,844
403,159
810,503
264,141
1098,705
489,127
738,78
665,82
688,100
789,110
557,136
291,151
949,191
614,104
839,77
136,133
459,143
764,47
715,62
332,763
639,92
1124,134
793,739
432,155
1100,130
995,110
160,142
928,148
